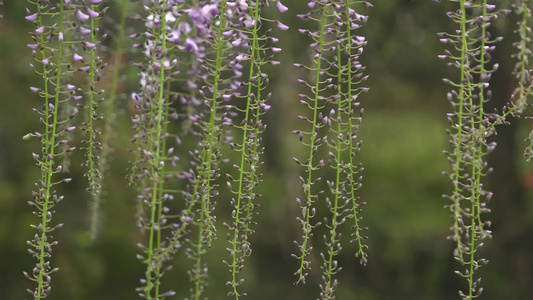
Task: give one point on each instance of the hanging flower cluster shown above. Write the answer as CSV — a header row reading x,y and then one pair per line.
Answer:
x,y
472,46
193,70
254,51
334,87
59,37
155,160
93,66
522,69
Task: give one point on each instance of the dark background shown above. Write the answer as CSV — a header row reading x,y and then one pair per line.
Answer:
x,y
404,135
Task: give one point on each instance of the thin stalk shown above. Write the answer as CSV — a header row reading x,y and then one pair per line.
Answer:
x,y
155,227
50,143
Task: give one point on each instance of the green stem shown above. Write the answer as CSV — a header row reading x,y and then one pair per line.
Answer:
x,y
48,154
314,133
155,227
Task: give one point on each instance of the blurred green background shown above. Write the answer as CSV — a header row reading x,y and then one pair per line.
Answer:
x,y
404,135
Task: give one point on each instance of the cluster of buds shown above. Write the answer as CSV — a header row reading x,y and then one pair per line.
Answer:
x,y
472,46
202,50
155,161
88,17
335,87
253,50
522,69
60,33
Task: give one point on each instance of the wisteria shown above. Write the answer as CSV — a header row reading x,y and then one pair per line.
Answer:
x,y
336,115
155,156
522,69
471,125
53,63
196,46
198,113
253,49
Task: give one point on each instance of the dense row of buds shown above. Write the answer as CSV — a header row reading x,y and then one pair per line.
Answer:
x,y
335,116
193,71
94,66
64,39
154,163
254,51
522,69
471,51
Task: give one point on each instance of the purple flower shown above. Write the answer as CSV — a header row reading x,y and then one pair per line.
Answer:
x,y
236,43
32,18
265,106
39,30
190,45
174,37
91,13
81,16
77,57
282,8
282,26
84,31
209,11
170,18
89,45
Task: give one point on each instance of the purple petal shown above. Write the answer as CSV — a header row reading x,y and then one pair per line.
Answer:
x,y
32,18
90,45
39,30
92,14
282,26
282,8
84,31
81,16
77,57
265,106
